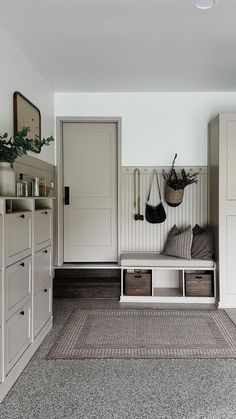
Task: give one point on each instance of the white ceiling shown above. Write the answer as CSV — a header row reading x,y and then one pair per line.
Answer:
x,y
126,45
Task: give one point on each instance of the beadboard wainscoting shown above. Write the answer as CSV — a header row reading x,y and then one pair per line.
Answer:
x,y
142,236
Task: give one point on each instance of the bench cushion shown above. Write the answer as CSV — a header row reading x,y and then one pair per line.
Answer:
x,y
149,259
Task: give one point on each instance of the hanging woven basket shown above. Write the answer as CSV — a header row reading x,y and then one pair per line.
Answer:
x,y
173,197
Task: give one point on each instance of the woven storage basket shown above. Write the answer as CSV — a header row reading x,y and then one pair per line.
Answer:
x,y
173,197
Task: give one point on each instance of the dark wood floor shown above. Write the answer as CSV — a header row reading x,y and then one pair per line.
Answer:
x,y
86,283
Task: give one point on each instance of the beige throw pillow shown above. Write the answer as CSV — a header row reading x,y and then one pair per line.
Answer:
x,y
202,245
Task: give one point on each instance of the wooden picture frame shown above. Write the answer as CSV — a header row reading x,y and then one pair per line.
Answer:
x,y
26,114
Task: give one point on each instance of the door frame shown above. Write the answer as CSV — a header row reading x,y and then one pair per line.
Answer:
x,y
59,251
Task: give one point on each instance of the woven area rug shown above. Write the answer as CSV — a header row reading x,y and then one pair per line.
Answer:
x,y
133,333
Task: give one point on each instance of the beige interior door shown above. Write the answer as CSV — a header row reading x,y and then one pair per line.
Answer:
x,y
90,172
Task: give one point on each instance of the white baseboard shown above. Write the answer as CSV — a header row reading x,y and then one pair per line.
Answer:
x,y
229,302
168,300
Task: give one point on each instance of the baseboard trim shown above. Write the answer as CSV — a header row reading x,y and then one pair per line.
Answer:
x,y
90,265
168,300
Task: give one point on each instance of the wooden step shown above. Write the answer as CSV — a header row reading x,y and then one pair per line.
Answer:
x,y
86,283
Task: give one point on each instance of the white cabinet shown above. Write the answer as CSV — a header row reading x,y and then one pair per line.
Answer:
x,y
18,236
42,308
1,299
42,228
1,241
17,335
222,157
42,288
42,268
1,354
25,282
1,329
18,284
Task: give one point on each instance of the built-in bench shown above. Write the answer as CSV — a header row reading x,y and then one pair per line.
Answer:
x,y
168,277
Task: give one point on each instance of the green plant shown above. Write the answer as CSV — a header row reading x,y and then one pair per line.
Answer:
x,y
19,144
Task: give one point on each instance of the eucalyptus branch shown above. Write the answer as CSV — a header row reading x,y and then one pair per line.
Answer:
x,y
19,144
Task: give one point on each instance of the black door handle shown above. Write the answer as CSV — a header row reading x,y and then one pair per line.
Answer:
x,y
67,195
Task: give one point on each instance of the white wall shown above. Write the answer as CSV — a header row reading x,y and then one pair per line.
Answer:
x,y
17,73
154,125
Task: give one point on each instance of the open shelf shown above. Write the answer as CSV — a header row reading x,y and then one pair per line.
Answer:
x,y
169,285
43,203
17,205
168,292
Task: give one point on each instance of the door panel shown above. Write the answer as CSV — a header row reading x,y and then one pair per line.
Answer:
x,y
90,170
230,160
231,267
91,227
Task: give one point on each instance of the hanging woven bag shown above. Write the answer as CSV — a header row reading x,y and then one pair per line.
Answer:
x,y
173,197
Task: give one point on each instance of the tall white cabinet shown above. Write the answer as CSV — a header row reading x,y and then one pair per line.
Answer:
x,y
222,179
25,282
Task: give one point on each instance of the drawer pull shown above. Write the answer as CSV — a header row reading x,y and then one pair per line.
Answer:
x,y
22,216
138,276
22,312
22,264
45,251
198,277
45,212
45,290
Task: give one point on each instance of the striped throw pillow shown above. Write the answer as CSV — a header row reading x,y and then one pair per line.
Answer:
x,y
179,243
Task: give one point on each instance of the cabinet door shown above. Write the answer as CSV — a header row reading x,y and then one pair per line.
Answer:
x,y
17,335
42,269
227,210
1,240
42,228
18,242
17,285
230,262
42,308
1,352
1,301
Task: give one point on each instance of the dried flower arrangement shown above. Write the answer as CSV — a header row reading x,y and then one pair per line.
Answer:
x,y
176,181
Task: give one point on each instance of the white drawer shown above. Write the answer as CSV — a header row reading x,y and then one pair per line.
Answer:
x,y
18,240
42,269
18,285
1,352
42,228
42,308
1,240
17,335
1,302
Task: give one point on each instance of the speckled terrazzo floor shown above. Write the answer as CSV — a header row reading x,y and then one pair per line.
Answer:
x,y
105,389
